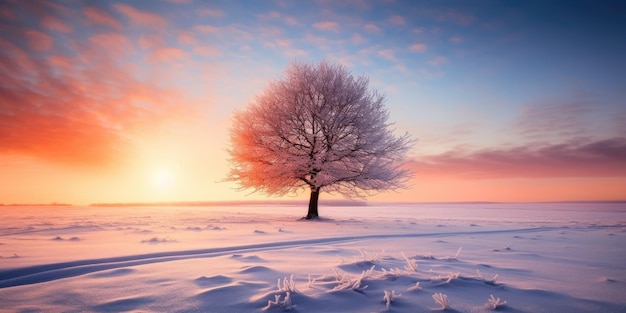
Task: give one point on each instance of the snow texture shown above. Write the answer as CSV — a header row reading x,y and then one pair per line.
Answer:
x,y
360,260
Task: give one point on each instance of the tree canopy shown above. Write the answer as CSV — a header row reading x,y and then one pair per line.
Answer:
x,y
318,128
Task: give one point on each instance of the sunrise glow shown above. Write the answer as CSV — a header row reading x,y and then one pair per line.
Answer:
x,y
131,101
162,179
313,156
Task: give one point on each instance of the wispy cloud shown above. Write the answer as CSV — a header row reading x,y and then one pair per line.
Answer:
x,y
56,24
187,38
142,18
207,51
231,32
207,29
295,53
151,41
580,158
431,74
115,44
438,60
272,15
401,68
554,120
38,40
291,21
450,15
327,25
418,47
357,39
387,54
6,13
277,16
98,16
456,39
168,55
76,109
372,27
283,43
397,20
214,13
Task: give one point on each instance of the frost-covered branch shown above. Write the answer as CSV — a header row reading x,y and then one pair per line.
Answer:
x,y
371,257
415,287
456,255
390,296
345,282
491,281
287,285
277,303
410,264
495,303
442,300
446,279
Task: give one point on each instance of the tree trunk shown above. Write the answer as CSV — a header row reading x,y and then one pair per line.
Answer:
x,y
315,195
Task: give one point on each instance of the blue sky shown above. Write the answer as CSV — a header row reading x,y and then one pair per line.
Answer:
x,y
493,90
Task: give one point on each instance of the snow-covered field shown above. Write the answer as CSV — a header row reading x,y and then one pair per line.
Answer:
x,y
544,257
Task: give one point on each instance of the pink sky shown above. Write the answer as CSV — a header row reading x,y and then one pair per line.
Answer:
x,y
131,101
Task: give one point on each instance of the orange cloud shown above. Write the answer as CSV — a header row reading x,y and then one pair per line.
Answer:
x,y
38,40
15,59
6,13
168,55
210,29
98,16
116,44
151,42
140,17
207,51
76,109
60,62
54,23
187,38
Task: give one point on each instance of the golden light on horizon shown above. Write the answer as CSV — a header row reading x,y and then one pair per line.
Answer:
x,y
162,179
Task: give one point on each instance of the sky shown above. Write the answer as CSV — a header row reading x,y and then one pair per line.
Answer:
x,y
131,101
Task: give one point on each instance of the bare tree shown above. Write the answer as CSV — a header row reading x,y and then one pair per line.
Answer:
x,y
318,128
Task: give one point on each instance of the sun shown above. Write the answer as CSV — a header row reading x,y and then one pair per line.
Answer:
x,y
162,179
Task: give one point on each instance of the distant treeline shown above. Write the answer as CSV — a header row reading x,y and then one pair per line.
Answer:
x,y
234,203
36,204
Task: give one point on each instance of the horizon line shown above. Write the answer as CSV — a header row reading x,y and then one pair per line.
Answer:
x,y
337,202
